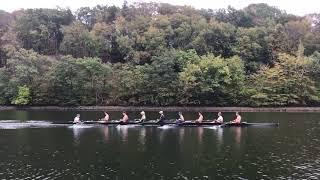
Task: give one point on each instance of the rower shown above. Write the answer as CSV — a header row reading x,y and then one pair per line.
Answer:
x,y
220,118
161,118
181,118
76,120
200,118
106,117
238,119
143,117
125,118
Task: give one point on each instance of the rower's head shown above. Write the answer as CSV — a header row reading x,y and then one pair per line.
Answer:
x,y
142,113
200,113
124,113
180,113
78,115
237,113
160,112
219,113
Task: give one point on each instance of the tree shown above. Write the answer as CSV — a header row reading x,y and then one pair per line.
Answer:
x,y
78,42
104,34
261,14
26,67
96,81
160,54
128,85
213,80
278,40
216,38
253,47
80,81
296,32
156,83
287,83
40,29
4,80
23,96
5,21
239,18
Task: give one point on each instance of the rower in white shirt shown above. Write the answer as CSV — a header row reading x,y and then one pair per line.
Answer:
x,y
220,118
77,120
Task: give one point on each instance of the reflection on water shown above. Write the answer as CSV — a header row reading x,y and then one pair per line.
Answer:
x,y
181,134
133,152
123,131
142,137
237,131
161,135
77,130
220,135
200,134
105,133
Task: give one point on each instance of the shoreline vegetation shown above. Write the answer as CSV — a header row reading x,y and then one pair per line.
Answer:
x,y
160,55
167,108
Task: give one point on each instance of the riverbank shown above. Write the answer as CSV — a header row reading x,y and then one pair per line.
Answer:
x,y
168,108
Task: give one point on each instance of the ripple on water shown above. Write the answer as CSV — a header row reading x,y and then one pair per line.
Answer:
x,y
9,121
127,126
166,127
19,170
80,126
15,124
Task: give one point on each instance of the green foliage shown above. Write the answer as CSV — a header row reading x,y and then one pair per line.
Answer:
x,y
261,14
26,67
40,29
286,83
217,38
252,46
23,97
4,80
78,42
80,81
156,83
213,80
159,54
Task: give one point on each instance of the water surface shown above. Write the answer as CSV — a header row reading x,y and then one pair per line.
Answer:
x,y
32,148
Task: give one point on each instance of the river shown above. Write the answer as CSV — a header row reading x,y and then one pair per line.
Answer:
x,y
33,148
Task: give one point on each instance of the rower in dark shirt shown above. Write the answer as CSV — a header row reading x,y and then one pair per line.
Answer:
x,y
161,118
181,118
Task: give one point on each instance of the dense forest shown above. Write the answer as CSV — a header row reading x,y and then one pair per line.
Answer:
x,y
159,54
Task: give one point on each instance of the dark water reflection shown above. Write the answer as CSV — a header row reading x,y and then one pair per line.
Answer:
x,y
290,151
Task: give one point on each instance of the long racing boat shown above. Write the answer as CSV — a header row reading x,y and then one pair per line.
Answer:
x,y
186,123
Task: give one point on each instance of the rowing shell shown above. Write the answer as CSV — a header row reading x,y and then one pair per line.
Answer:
x,y
246,124
151,123
183,124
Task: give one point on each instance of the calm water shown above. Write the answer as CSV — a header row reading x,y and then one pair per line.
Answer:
x,y
38,150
